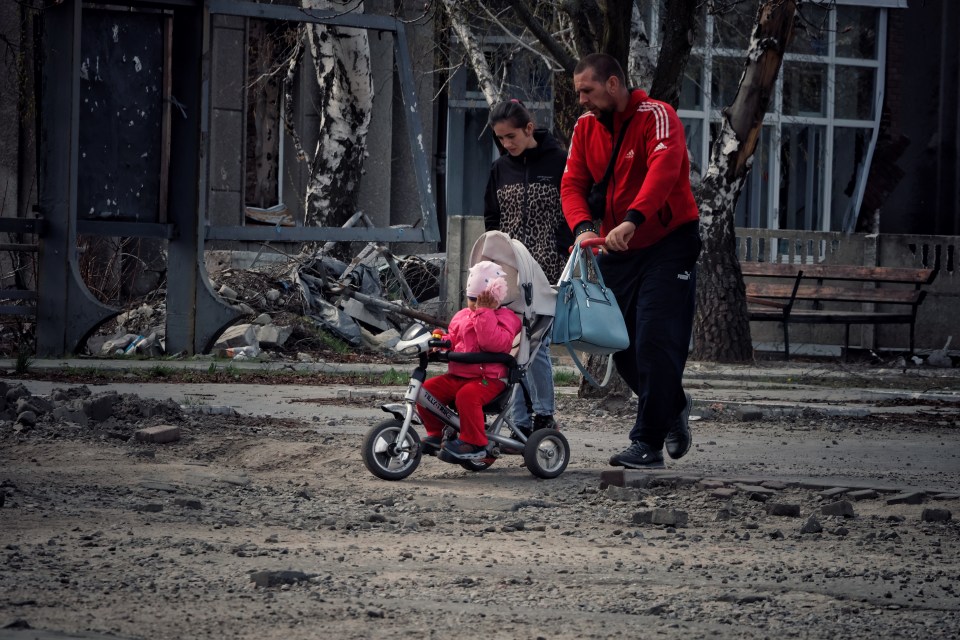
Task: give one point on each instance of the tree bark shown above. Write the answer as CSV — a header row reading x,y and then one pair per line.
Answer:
x,y
721,326
680,28
641,64
341,66
264,116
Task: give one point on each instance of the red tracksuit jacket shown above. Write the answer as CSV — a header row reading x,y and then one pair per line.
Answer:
x,y
651,175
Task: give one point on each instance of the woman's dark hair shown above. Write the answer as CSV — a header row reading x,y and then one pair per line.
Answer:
x,y
512,110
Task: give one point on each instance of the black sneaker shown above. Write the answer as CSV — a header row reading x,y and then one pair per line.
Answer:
x,y
544,422
464,450
678,440
638,455
430,445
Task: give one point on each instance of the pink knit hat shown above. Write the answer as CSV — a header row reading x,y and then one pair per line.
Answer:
x,y
487,276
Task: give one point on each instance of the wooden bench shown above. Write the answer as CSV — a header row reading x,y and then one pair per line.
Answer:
x,y
807,294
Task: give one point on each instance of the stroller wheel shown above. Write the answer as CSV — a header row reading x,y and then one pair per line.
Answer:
x,y
547,453
385,457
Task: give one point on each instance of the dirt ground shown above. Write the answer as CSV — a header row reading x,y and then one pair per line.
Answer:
x,y
254,527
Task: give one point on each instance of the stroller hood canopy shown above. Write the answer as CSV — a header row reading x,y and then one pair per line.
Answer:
x,y
530,293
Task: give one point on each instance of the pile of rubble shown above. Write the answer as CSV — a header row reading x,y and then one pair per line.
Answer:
x,y
297,309
113,415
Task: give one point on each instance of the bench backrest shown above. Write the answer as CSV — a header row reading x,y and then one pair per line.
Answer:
x,y
890,275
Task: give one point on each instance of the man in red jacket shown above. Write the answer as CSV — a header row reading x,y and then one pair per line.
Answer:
x,y
651,224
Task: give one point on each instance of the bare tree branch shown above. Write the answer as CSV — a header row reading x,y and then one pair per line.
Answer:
x,y
559,53
478,61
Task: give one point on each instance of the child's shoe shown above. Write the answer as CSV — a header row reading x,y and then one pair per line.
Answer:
x,y
464,450
430,445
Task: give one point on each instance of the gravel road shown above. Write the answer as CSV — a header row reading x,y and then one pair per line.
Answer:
x,y
806,524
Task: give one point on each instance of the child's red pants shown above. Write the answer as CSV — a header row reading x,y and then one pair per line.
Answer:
x,y
470,394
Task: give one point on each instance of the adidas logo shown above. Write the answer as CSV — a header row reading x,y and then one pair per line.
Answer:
x,y
629,155
660,147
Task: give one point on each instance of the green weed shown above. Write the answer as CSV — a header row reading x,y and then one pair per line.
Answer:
x,y
566,379
24,359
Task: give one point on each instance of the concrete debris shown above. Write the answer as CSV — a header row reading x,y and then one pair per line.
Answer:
x,y
117,416
303,297
812,525
786,510
838,508
907,497
936,515
941,357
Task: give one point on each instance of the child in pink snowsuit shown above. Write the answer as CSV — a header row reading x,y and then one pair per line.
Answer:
x,y
482,326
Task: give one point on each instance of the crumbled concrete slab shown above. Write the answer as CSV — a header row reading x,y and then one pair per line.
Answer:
x,y
907,497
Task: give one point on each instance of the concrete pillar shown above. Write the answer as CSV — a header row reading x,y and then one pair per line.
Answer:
x,y
462,232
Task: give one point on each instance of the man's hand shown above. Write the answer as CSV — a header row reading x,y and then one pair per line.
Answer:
x,y
586,235
619,237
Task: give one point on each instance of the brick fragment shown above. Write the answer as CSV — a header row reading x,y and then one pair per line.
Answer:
x,y
159,434
611,478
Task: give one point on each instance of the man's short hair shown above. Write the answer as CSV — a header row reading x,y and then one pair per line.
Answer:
x,y
604,66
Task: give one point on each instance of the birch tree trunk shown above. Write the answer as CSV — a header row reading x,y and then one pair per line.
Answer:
x,y
341,67
721,327
471,44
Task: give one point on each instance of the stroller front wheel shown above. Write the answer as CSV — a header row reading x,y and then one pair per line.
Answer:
x,y
546,453
387,458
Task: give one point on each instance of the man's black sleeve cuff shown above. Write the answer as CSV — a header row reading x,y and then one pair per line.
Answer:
x,y
584,227
635,217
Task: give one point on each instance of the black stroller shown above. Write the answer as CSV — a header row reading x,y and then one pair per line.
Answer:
x,y
392,450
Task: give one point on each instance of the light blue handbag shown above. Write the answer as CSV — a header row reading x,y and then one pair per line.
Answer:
x,y
588,318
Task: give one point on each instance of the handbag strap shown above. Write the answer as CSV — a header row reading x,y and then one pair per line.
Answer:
x,y
586,374
613,156
584,259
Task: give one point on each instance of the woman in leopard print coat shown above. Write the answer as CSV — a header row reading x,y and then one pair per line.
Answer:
x,y
523,200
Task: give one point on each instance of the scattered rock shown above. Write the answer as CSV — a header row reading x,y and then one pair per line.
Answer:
x,y
267,579
838,508
812,525
670,517
787,510
936,515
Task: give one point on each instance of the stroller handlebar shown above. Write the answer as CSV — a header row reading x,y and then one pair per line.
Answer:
x,y
593,242
481,357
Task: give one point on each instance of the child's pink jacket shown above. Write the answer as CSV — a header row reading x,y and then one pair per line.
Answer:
x,y
491,330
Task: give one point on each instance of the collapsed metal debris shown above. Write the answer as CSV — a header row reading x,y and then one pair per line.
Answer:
x,y
377,289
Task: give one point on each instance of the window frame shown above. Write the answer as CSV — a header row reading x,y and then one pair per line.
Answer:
x,y
776,119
